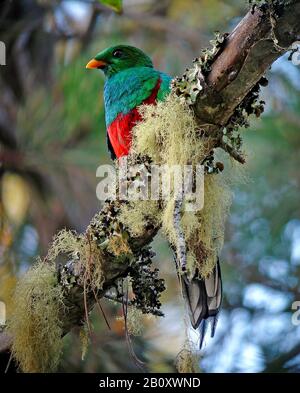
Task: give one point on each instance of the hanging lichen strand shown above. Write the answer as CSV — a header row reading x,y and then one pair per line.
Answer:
x,y
35,325
161,138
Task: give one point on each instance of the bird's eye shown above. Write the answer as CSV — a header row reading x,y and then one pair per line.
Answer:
x,y
117,53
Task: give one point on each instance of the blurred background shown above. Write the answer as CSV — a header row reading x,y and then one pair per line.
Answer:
x,y
52,138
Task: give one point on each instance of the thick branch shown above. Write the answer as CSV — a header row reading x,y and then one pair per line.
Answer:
x,y
249,52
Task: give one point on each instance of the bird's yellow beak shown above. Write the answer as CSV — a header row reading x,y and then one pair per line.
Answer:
x,y
96,64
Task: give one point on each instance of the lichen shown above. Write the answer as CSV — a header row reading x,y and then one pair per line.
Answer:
x,y
251,105
118,244
192,83
35,324
135,215
80,248
169,134
187,361
134,321
84,340
206,241
146,284
204,229
276,6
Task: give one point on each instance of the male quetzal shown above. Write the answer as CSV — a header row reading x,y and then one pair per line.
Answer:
x,y
132,81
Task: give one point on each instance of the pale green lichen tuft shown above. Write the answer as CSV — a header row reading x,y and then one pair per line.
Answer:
x,y
80,248
169,134
135,214
35,324
187,361
84,340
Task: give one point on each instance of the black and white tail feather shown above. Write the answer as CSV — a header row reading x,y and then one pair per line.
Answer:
x,y
203,298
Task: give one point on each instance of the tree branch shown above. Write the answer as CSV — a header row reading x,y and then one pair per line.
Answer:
x,y
248,53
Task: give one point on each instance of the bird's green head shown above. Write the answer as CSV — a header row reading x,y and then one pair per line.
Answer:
x,y
119,58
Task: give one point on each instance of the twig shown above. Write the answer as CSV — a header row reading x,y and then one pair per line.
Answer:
x,y
232,152
115,299
101,310
136,360
180,246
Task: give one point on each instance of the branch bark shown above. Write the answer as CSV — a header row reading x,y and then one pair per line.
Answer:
x,y
249,52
